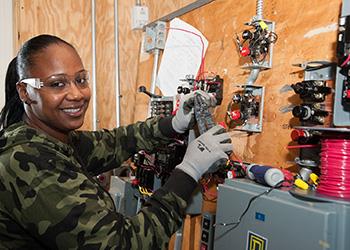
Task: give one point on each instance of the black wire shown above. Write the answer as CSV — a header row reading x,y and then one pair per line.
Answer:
x,y
236,224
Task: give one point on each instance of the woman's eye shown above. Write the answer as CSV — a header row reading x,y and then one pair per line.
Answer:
x,y
57,84
81,81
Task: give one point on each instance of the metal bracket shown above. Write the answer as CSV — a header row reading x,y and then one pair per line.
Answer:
x,y
323,73
267,63
254,124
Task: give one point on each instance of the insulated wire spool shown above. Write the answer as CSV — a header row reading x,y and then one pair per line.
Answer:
x,y
335,168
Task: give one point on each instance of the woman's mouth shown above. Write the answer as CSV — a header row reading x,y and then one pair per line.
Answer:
x,y
74,111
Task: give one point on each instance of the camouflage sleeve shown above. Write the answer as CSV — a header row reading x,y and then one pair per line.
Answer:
x,y
62,208
104,150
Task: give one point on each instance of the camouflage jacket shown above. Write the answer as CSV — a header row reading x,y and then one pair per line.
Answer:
x,y
48,199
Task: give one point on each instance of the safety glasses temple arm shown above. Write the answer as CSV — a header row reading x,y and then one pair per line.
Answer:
x,y
34,82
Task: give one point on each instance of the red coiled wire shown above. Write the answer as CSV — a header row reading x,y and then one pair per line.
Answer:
x,y
335,168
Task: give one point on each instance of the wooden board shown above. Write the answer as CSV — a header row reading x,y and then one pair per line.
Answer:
x,y
306,31
68,19
135,64
72,21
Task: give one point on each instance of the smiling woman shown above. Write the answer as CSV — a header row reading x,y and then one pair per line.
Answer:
x,y
49,199
59,106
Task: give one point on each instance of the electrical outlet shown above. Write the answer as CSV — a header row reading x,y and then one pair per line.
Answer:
x,y
139,17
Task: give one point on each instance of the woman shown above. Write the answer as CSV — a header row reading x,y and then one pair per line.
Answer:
x,y
48,198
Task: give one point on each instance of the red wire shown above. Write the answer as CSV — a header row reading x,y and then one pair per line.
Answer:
x,y
346,61
201,67
302,146
335,168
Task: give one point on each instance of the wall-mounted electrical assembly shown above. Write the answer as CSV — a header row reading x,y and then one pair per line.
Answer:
x,y
245,111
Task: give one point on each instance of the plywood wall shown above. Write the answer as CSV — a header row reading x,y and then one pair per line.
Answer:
x,y
306,31
72,21
135,64
69,19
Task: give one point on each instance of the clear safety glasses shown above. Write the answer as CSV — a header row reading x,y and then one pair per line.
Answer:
x,y
60,82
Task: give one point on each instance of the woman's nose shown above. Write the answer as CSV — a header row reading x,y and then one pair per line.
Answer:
x,y
74,93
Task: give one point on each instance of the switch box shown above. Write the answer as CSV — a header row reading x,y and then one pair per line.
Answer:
x,y
139,17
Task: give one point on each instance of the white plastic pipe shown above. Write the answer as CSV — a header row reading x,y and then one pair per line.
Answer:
x,y
94,84
116,66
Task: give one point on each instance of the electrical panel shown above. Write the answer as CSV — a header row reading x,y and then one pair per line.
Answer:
x,y
152,169
278,220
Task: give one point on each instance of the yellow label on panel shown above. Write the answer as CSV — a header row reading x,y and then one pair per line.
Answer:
x,y
256,242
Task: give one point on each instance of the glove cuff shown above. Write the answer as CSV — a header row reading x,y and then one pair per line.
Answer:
x,y
185,189
191,171
176,124
166,127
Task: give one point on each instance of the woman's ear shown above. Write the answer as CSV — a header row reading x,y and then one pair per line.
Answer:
x,y
22,92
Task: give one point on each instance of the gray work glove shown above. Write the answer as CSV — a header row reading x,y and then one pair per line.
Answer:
x,y
184,118
206,153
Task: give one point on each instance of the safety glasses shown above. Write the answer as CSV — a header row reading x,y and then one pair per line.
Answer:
x,y
59,83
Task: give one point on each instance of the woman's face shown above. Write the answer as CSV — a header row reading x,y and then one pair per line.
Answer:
x,y
55,110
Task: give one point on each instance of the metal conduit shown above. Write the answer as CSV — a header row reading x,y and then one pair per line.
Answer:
x,y
94,84
156,53
259,9
116,65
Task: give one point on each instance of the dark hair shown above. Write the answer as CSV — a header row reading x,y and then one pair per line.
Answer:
x,y
18,69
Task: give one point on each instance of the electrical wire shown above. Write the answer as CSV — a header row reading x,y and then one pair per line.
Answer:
x,y
302,146
346,61
235,224
335,168
144,191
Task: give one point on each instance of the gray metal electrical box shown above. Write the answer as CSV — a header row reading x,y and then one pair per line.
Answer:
x,y
279,220
124,196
